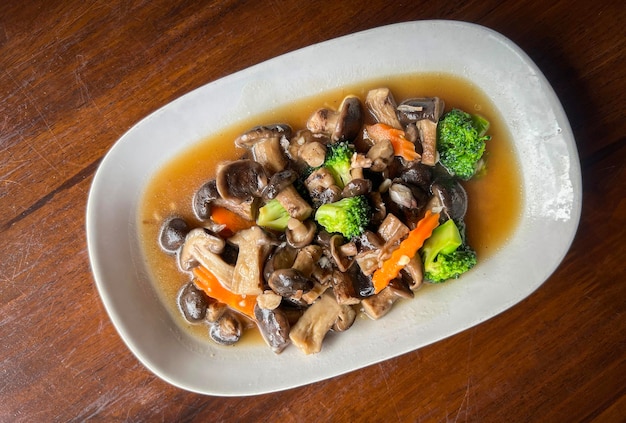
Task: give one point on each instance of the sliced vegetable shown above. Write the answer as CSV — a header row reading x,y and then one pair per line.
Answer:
x,y
401,146
231,220
405,251
273,216
211,286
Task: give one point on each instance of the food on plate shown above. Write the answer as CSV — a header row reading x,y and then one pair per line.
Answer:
x,y
313,225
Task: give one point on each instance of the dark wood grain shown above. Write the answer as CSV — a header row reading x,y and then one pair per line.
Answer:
x,y
75,75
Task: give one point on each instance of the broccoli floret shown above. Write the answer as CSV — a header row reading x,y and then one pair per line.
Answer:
x,y
461,142
445,255
338,160
348,216
273,215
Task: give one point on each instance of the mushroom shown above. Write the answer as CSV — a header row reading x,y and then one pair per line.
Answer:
x,y
402,196
278,182
314,293
215,310
227,329
344,289
203,198
309,331
376,306
269,300
254,246
379,209
281,258
313,153
392,230
380,154
342,254
293,282
247,209
192,303
415,109
240,180
345,319
382,106
424,113
340,125
173,233
300,234
319,180
295,205
264,143
290,283
451,196
369,253
304,267
307,258
414,269
202,248
356,187
296,144
321,187
428,135
359,162
417,174
274,327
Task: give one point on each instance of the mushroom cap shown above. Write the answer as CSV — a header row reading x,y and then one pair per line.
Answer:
x,y
289,282
450,195
202,199
342,260
263,132
278,182
300,234
193,303
197,240
382,107
227,329
414,109
350,120
240,180
341,125
173,233
274,327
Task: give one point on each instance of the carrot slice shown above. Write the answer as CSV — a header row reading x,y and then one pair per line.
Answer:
x,y
231,220
405,251
206,281
401,146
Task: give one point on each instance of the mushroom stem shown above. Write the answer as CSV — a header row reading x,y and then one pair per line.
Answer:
x,y
254,247
199,249
309,331
294,203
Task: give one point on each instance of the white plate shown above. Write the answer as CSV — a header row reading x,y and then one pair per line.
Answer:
x,y
528,105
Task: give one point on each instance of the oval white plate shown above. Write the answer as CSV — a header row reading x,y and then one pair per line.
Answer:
x,y
528,105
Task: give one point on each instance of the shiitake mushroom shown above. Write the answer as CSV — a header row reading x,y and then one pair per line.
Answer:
x,y
192,303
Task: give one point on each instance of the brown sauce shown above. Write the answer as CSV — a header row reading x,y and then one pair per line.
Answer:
x,y
495,199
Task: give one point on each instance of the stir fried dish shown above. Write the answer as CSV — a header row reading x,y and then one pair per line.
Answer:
x,y
314,225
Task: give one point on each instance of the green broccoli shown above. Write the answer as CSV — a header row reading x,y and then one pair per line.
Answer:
x,y
445,254
338,160
273,215
348,216
461,142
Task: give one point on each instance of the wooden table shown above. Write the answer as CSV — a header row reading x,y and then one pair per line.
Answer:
x,y
75,75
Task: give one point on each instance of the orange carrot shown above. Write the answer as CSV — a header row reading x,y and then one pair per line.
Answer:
x,y
206,281
231,220
406,250
401,146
